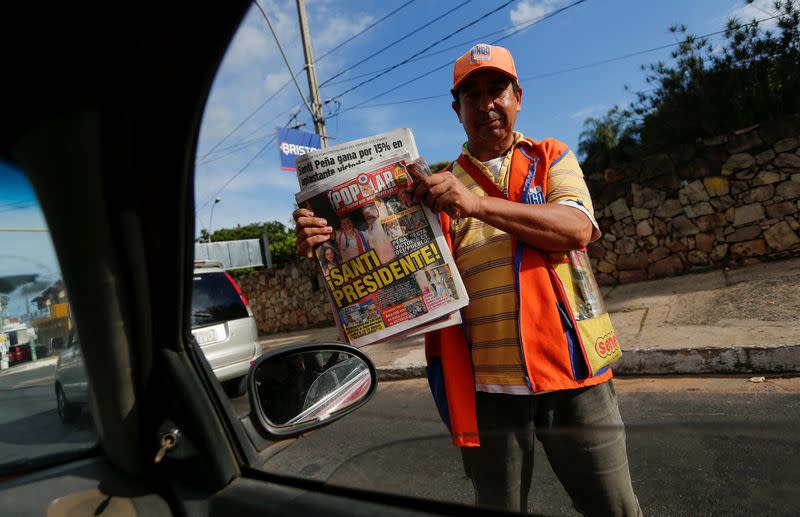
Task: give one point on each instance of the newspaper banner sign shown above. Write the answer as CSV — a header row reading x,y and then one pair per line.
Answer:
x,y
294,143
318,166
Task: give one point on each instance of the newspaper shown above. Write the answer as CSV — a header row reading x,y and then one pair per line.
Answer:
x,y
318,166
387,268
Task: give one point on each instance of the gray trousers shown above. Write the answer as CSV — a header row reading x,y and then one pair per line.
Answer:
x,y
582,434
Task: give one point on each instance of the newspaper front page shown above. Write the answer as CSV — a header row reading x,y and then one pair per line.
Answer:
x,y
387,268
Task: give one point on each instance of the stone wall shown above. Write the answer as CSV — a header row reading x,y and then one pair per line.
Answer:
x,y
729,200
287,297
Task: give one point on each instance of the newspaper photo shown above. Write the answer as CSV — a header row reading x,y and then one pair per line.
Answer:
x,y
387,267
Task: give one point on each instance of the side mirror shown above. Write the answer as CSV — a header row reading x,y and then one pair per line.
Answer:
x,y
300,388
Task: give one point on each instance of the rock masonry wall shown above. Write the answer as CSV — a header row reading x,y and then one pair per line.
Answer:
x,y
729,200
287,297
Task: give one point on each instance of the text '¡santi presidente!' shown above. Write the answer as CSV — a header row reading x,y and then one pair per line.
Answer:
x,y
364,274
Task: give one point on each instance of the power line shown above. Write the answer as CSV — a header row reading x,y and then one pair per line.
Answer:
x,y
519,27
242,169
248,117
235,149
285,59
243,143
417,78
449,63
450,35
640,52
292,78
540,19
544,75
395,42
406,101
372,26
252,113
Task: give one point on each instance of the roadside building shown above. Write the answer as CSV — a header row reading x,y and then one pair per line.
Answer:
x,y
51,319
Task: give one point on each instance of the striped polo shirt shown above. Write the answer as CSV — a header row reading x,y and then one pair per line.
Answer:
x,y
484,256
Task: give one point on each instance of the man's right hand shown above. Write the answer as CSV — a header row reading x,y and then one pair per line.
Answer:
x,y
309,231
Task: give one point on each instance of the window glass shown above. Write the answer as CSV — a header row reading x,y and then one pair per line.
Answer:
x,y
44,393
674,144
214,299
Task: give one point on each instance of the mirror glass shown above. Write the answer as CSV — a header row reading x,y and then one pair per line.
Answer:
x,y
308,386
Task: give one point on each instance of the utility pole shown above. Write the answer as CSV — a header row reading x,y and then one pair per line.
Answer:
x,y
316,105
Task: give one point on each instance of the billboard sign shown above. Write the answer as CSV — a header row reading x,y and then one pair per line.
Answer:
x,y
293,143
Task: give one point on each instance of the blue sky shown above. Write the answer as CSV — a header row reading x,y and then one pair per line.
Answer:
x,y
23,251
553,106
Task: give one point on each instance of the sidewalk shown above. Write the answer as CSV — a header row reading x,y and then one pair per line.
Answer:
x,y
744,320
30,365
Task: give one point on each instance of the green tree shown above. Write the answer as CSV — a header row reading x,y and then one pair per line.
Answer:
x,y
437,166
608,140
752,77
281,239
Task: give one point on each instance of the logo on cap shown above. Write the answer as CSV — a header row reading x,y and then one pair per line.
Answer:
x,y
480,53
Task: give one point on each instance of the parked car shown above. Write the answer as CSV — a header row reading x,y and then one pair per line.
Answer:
x,y
19,353
71,386
223,325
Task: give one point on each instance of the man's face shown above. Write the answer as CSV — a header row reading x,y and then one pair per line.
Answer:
x,y
488,108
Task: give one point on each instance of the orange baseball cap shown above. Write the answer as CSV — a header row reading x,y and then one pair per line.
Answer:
x,y
483,57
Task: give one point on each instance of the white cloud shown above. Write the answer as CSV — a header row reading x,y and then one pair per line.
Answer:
x,y
217,122
529,10
758,10
338,29
254,44
275,80
250,45
589,111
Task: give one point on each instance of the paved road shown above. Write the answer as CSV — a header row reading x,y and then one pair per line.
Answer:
x,y
714,446
29,423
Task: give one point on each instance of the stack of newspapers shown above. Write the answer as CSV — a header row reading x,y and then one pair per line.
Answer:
x,y
387,267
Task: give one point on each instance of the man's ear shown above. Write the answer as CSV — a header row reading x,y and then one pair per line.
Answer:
x,y
454,105
519,98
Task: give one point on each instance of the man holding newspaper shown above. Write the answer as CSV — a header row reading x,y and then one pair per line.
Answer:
x,y
532,357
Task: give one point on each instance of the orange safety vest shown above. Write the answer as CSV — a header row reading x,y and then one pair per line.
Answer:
x,y
554,343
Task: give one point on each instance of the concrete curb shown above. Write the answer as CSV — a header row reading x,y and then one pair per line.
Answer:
x,y
693,361
399,374
681,361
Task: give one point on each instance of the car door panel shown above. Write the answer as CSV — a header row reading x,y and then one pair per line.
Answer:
x,y
86,487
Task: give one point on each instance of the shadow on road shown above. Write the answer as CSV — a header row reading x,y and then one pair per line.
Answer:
x,y
46,428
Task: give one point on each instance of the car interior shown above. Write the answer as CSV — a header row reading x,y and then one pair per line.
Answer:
x,y
101,110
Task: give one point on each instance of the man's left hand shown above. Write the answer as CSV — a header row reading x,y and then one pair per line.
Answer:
x,y
442,191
